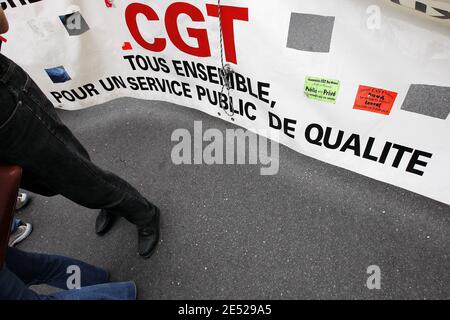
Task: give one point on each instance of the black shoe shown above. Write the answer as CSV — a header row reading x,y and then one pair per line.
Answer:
x,y
105,221
148,236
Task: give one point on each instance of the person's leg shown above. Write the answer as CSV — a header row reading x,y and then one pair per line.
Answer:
x,y
23,269
53,270
106,291
12,288
55,162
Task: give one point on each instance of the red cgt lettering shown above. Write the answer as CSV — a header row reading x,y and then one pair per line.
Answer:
x,y
229,15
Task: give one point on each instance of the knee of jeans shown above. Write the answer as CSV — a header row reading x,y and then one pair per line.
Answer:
x,y
8,105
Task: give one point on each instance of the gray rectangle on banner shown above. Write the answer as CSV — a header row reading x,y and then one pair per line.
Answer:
x,y
309,32
428,100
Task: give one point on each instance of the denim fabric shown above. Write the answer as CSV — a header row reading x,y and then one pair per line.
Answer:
x,y
23,270
15,224
53,160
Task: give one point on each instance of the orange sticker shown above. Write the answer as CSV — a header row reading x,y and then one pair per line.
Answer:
x,y
375,100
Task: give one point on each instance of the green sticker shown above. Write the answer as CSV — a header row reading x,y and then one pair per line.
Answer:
x,y
322,89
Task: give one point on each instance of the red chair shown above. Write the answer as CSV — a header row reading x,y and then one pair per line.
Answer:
x,y
10,177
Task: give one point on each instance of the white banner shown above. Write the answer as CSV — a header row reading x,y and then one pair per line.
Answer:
x,y
361,84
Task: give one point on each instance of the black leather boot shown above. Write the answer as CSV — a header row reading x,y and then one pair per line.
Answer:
x,y
148,235
105,221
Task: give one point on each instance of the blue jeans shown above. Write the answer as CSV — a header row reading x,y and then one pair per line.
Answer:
x,y
15,224
22,270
